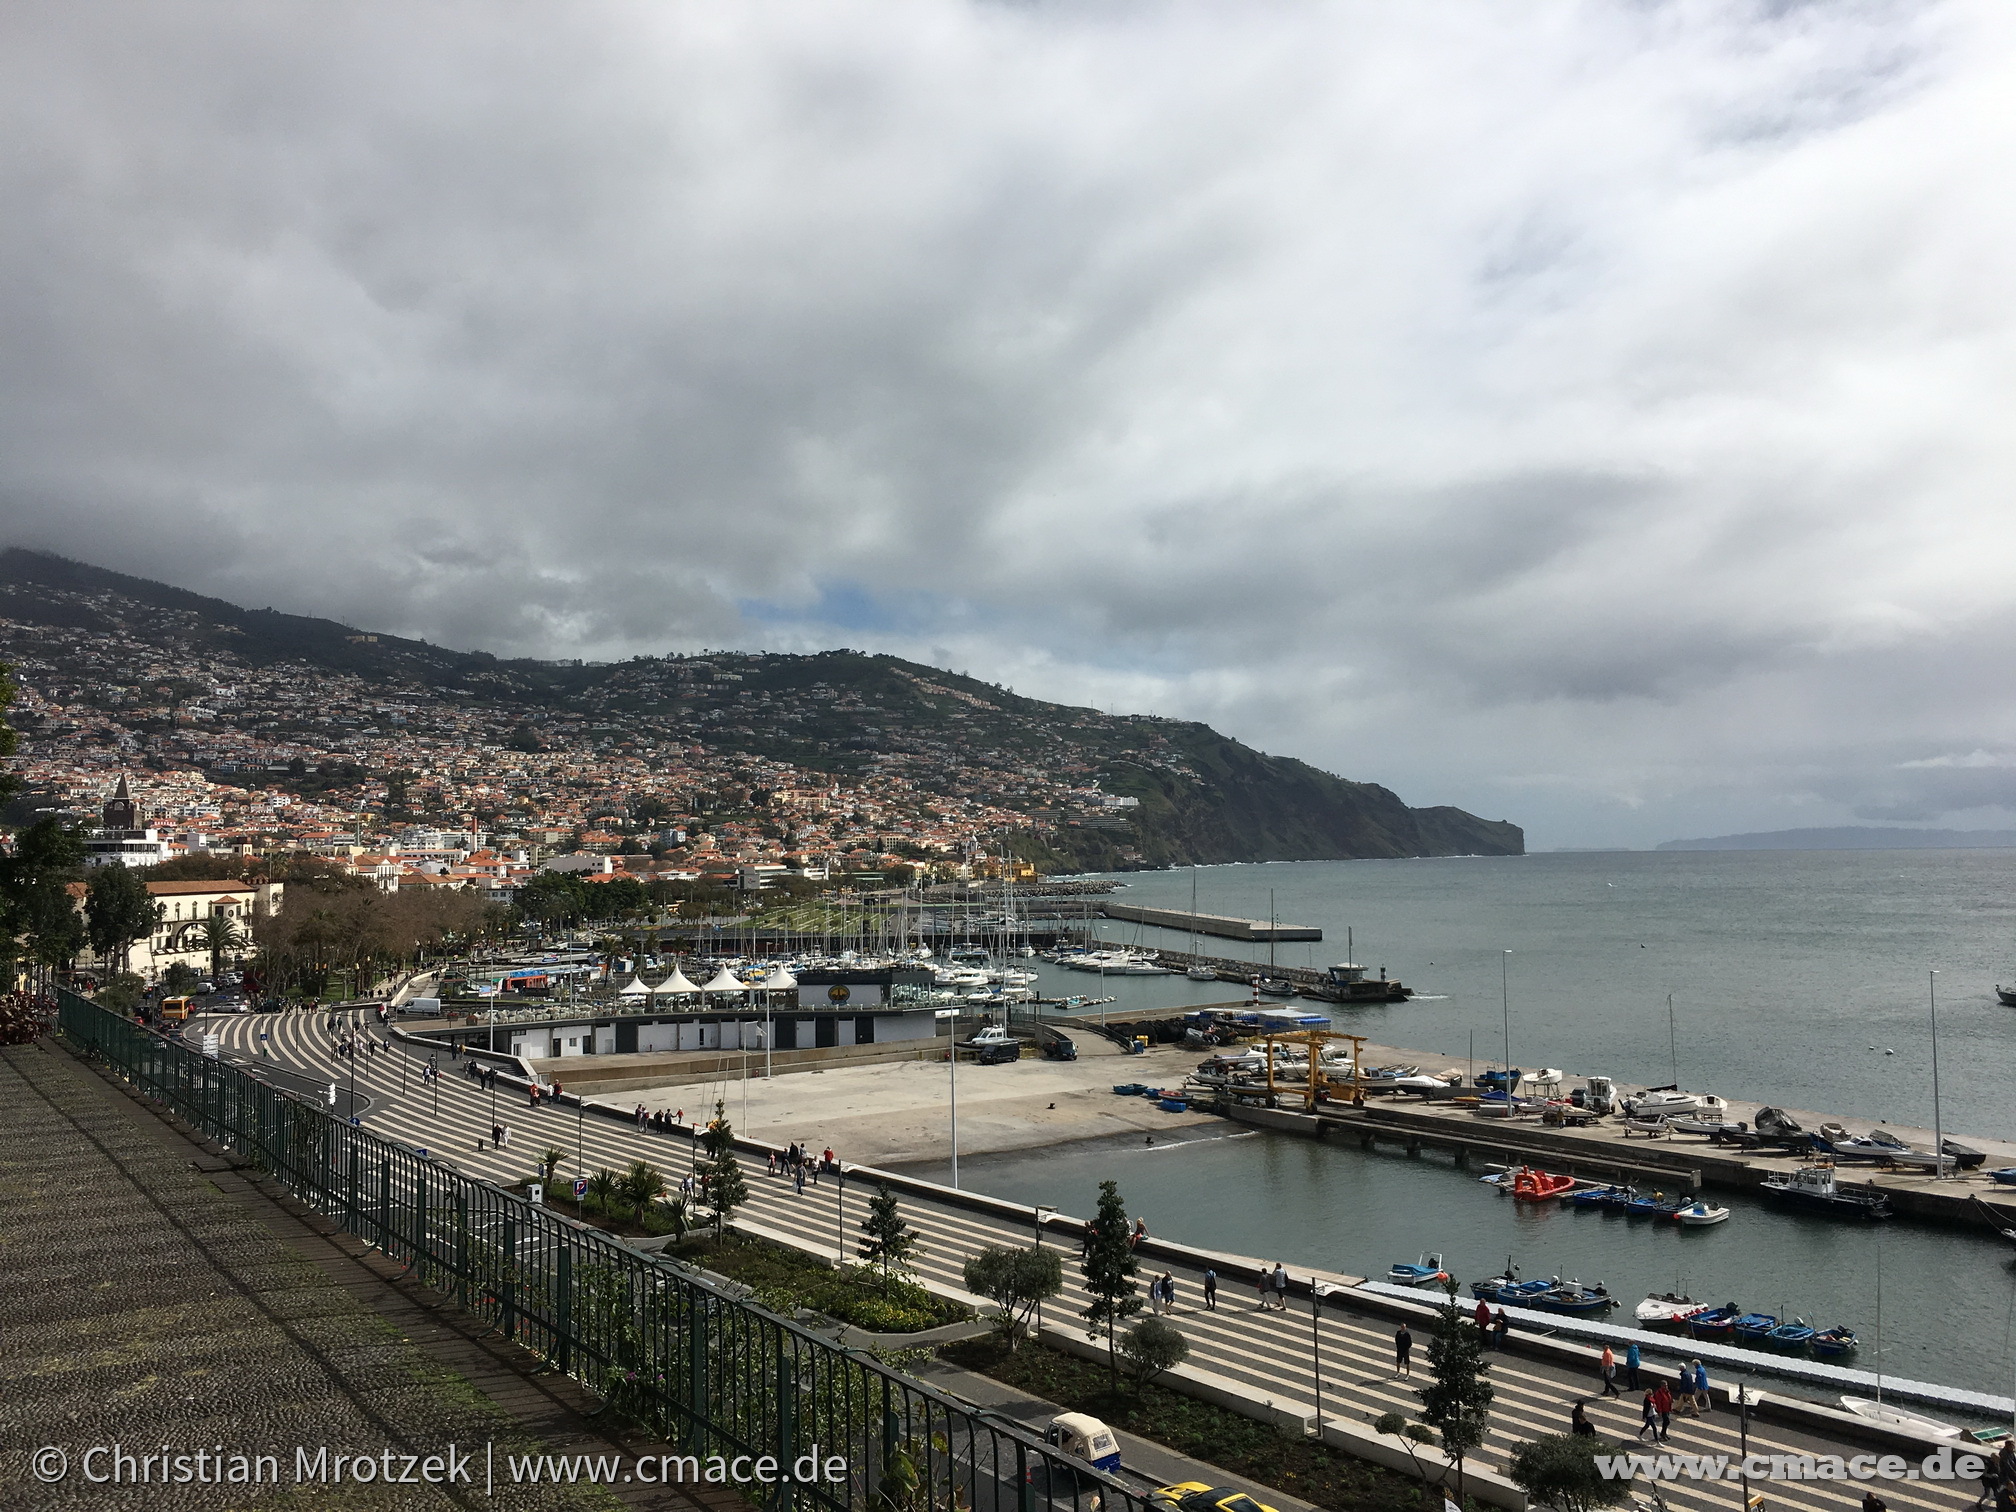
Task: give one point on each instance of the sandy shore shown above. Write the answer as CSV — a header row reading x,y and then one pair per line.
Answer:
x,y
900,1111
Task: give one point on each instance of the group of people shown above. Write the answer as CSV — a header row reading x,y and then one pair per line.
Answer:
x,y
658,1121
1688,1395
1493,1328
801,1167
1162,1294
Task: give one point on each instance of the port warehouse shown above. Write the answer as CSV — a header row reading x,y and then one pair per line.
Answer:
x,y
831,1009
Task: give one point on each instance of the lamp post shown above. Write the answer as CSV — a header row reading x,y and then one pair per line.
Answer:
x,y
840,1176
954,1059
1042,1211
1316,1347
1938,1129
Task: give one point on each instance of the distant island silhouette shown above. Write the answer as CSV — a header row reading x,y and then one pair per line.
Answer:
x,y
1850,837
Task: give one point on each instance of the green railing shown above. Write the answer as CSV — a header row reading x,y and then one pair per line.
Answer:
x,y
712,1374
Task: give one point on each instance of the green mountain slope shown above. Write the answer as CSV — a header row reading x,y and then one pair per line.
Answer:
x,y
1200,796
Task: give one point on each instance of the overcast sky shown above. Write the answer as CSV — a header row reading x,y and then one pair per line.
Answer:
x,y
1598,416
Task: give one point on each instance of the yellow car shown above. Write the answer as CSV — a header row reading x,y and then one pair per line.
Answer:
x,y
1195,1496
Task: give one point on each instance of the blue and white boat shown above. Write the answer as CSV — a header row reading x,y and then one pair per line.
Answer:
x,y
1795,1335
1426,1271
1754,1328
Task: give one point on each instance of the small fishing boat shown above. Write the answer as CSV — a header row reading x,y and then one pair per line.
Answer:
x,y
1755,1328
1278,987
1658,1205
1202,974
1814,1187
1832,1342
2003,1176
1684,1123
1965,1156
1667,1310
1654,1126
1529,1185
1426,1271
1666,1101
2006,994
1597,1197
1715,1322
1794,1336
1573,1298
1507,1288
1701,1215
1910,1422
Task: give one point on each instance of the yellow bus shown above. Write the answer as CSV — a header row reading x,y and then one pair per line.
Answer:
x,y
176,1010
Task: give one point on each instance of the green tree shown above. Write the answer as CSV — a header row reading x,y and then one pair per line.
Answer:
x,y
723,1182
1561,1472
179,979
1151,1347
550,1160
1457,1403
1016,1281
118,913
890,1243
38,919
1109,1269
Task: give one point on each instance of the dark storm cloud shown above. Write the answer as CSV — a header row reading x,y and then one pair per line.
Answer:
x,y
1590,414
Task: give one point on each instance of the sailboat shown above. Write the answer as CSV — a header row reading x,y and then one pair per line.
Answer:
x,y
1198,972
1272,985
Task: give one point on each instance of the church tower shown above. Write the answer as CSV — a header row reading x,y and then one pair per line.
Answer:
x,y
121,812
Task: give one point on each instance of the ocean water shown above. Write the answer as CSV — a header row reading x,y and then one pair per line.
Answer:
x,y
1792,974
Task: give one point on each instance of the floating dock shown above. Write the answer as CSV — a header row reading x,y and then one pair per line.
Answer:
x,y
1220,925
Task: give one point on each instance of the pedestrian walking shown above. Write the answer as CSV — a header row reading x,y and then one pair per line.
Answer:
x,y
1662,1399
1631,1366
773,1162
1648,1418
507,1136
1210,1289
1608,1370
1703,1403
1482,1315
1264,1285
1403,1351
1280,1286
1169,1290
497,1135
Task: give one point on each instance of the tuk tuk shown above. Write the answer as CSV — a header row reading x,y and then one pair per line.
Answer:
x,y
1082,1434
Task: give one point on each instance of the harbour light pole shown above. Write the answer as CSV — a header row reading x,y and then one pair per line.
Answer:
x,y
1938,1130
954,1058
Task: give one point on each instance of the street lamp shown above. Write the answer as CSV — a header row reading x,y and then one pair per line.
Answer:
x,y
954,1059
1042,1211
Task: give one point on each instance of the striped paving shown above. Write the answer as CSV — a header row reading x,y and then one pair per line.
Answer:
x,y
1272,1354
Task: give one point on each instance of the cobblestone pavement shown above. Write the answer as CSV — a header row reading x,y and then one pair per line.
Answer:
x,y
150,1304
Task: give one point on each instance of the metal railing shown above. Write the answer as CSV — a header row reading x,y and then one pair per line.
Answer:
x,y
715,1375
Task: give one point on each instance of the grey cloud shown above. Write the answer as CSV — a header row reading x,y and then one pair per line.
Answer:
x,y
1595,414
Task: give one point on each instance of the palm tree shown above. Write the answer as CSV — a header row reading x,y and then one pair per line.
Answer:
x,y
641,1185
221,936
603,1187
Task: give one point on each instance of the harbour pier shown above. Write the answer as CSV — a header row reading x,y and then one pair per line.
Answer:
x,y
1222,926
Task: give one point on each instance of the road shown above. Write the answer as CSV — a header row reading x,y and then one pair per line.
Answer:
x,y
1267,1352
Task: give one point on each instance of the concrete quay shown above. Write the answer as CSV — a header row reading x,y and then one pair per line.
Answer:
x,y
1223,926
1607,1152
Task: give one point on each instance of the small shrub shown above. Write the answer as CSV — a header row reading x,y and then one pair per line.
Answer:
x,y
1150,1347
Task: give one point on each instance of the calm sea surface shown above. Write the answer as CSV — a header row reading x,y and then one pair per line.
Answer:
x,y
1792,974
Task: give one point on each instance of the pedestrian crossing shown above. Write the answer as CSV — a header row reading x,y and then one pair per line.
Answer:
x,y
1269,1353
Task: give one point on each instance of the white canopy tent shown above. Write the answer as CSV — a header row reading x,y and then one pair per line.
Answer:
x,y
676,985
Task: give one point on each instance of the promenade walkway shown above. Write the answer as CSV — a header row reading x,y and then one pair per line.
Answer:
x,y
1274,1356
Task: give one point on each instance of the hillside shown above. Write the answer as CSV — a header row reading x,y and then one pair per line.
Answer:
x,y
180,679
